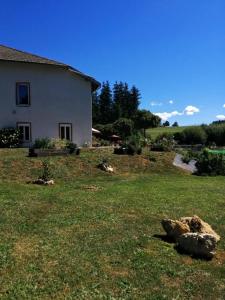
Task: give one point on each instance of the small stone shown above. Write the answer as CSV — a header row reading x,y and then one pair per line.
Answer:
x,y
49,182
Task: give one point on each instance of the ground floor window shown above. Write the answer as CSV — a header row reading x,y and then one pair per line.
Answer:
x,y
25,131
65,131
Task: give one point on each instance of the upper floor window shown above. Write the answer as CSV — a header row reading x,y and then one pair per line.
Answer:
x,y
23,93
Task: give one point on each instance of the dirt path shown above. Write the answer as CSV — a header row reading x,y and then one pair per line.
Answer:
x,y
188,167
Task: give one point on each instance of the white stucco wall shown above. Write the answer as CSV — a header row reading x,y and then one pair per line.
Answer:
x,y
57,96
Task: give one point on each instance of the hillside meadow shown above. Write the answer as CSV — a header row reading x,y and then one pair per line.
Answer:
x,y
95,235
155,132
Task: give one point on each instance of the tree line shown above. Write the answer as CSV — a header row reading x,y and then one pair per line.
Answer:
x,y
121,104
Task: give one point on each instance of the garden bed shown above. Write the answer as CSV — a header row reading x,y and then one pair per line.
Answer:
x,y
51,152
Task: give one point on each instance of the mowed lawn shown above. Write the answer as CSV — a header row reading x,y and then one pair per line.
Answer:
x,y
95,236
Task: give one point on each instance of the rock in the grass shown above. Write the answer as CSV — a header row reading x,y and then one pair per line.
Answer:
x,y
174,228
109,169
105,167
43,182
49,182
196,224
197,244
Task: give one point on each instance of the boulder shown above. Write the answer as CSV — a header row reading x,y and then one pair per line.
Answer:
x,y
174,228
197,244
196,224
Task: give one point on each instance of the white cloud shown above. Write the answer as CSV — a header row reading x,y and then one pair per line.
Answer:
x,y
166,115
153,103
190,110
220,117
224,105
171,102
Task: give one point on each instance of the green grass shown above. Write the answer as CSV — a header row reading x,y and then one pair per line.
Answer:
x,y
92,235
154,132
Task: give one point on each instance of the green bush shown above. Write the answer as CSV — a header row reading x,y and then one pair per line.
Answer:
x,y
9,137
164,142
43,143
45,171
132,146
106,130
215,134
189,155
191,136
210,164
123,127
58,144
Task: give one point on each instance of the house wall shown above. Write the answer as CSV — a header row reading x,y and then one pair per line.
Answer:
x,y
57,96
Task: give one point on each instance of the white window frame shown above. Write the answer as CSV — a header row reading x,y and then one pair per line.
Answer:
x,y
65,126
25,124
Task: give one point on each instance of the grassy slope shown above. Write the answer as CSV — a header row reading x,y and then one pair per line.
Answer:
x,y
154,132
91,236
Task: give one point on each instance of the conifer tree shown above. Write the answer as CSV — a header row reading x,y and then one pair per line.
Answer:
x,y
95,108
105,104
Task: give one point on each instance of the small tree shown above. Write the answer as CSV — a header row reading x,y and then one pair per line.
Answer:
x,y
175,124
123,127
166,124
144,119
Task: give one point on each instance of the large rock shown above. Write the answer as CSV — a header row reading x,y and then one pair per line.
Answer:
x,y
196,224
174,228
197,244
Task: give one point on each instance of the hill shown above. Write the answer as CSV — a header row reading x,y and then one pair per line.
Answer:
x,y
154,132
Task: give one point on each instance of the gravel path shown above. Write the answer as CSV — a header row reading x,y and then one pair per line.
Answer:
x,y
188,167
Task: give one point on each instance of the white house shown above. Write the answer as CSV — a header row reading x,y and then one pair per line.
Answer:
x,y
45,98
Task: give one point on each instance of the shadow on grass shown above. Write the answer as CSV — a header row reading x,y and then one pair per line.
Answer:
x,y
164,238
193,256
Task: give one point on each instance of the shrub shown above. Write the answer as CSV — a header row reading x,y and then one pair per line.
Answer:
x,y
9,137
58,144
216,134
43,143
131,147
123,127
106,130
191,136
72,148
210,164
45,172
189,155
163,142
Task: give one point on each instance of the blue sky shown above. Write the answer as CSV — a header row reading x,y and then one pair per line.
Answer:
x,y
172,50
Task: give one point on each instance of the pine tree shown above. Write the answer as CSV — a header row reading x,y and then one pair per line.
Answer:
x,y
105,104
134,101
117,96
95,108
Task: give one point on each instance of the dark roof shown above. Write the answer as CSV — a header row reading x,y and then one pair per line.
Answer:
x,y
11,54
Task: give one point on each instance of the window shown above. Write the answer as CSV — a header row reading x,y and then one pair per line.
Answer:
x,y
65,131
25,131
23,94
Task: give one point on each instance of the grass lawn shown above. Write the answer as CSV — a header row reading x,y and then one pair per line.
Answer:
x,y
92,235
154,132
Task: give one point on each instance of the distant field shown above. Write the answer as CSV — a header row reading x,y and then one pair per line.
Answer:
x,y
154,132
